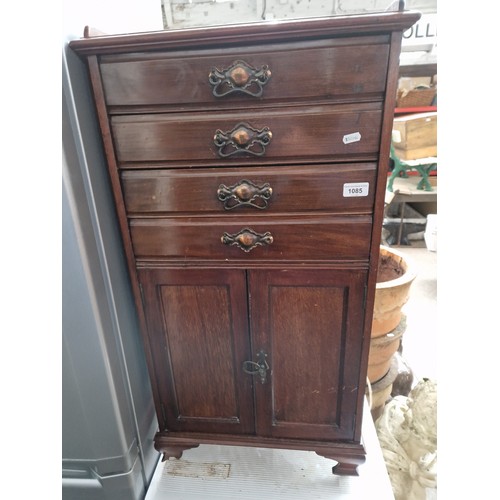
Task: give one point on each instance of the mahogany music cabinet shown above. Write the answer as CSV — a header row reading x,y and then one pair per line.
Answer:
x,y
249,165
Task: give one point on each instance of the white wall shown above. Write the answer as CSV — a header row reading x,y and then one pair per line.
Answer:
x,y
111,16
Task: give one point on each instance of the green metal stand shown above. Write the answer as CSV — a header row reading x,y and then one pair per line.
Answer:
x,y
401,167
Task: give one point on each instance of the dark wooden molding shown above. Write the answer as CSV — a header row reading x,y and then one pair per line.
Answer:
x,y
90,32
239,34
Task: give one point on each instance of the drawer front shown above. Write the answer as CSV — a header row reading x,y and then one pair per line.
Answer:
x,y
287,135
253,239
348,188
332,69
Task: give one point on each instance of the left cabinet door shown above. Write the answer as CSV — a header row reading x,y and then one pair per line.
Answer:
x,y
199,338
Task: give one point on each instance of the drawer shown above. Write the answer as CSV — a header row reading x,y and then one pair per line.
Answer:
x,y
285,135
339,188
329,69
281,239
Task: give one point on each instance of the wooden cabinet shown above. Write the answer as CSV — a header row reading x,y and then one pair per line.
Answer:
x,y
248,165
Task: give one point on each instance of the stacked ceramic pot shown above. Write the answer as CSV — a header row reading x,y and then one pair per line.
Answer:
x,y
394,278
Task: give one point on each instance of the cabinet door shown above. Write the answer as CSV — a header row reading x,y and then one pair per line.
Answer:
x,y
310,325
198,332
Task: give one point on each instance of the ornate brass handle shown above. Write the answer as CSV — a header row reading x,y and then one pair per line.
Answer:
x,y
242,139
247,239
244,193
240,77
260,368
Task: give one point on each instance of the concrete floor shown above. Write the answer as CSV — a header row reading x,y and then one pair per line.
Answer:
x,y
420,342
212,472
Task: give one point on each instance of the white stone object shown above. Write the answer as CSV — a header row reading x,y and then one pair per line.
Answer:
x,y
407,431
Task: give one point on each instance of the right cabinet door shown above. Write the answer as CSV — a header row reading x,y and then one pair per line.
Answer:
x,y
310,325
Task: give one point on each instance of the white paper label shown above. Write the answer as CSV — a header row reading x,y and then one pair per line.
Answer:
x,y
356,189
354,137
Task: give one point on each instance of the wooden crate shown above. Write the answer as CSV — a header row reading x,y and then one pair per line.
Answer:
x,y
415,136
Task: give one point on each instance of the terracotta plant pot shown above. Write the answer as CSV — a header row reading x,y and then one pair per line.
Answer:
x,y
382,349
380,391
396,273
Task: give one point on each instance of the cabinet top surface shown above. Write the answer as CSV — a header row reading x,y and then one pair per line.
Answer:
x,y
244,34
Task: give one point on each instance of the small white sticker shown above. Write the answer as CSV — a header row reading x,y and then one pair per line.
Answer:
x,y
354,137
356,189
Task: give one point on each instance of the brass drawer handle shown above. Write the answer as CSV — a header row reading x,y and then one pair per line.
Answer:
x,y
244,194
240,77
247,239
242,139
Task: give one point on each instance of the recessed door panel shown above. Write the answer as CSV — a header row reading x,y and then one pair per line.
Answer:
x,y
310,326
198,327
